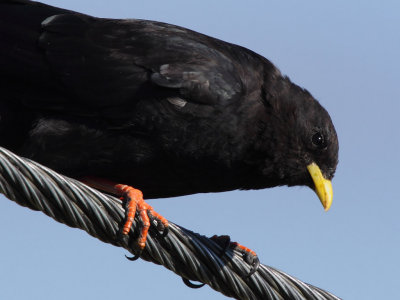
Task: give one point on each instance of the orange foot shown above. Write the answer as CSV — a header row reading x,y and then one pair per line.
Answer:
x,y
249,255
134,202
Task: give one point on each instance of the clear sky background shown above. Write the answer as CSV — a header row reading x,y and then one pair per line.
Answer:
x,y
346,53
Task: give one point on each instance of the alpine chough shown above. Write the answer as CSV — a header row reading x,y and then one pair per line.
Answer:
x,y
156,106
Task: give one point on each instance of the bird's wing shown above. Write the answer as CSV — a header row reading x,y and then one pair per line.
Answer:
x,y
105,62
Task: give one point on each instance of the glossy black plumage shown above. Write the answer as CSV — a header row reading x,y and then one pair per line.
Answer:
x,y
156,106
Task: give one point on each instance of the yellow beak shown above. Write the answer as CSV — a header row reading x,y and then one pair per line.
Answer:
x,y
323,187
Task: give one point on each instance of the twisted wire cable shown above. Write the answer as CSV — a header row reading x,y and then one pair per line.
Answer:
x,y
188,254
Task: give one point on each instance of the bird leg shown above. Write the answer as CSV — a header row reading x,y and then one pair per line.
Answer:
x,y
134,202
249,255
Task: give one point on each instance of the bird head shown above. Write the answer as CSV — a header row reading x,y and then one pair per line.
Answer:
x,y
300,140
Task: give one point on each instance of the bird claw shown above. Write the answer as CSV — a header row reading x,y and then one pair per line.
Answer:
x,y
135,257
165,232
135,203
159,225
224,241
253,261
188,283
249,256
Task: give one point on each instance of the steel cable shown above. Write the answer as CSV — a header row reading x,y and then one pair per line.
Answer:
x,y
188,254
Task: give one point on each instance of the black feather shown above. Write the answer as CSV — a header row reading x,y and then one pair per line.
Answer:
x,y
157,106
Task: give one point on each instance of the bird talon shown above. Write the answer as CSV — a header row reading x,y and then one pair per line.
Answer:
x,y
253,261
249,256
153,219
161,228
133,203
135,257
188,283
165,232
224,241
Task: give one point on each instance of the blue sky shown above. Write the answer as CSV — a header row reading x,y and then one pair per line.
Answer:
x,y
346,53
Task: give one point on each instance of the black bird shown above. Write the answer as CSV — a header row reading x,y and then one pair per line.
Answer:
x,y
156,106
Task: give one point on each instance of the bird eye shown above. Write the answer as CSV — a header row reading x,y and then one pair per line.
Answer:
x,y
319,140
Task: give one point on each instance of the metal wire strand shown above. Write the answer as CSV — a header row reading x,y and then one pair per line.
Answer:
x,y
188,254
